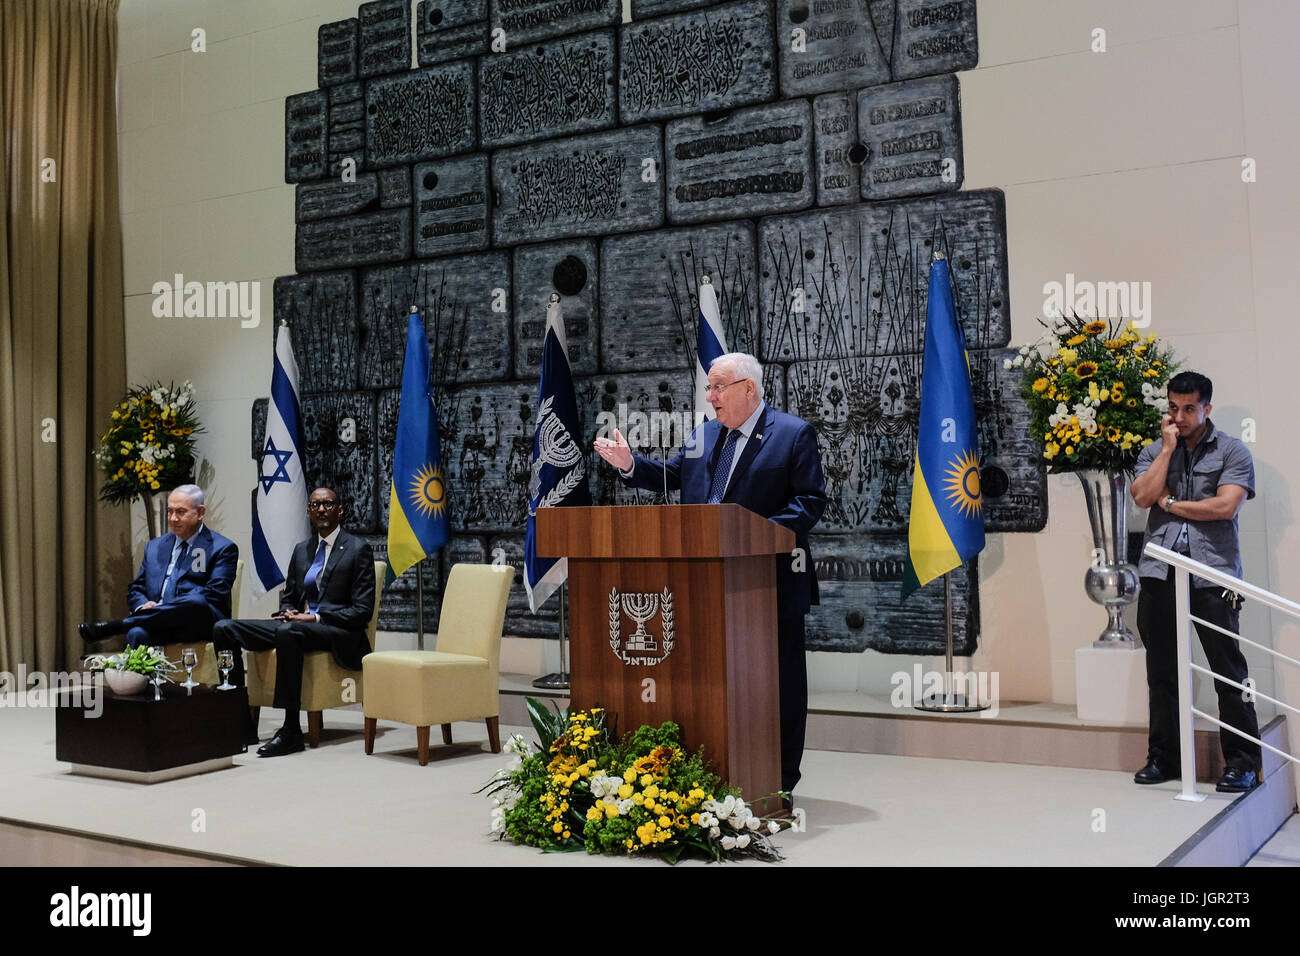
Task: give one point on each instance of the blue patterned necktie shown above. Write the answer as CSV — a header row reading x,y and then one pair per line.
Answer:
x,y
309,583
723,469
178,568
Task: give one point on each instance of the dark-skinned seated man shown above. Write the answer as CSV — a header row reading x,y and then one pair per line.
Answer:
x,y
183,586
1195,481
328,597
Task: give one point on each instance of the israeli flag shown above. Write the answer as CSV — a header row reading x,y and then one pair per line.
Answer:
x,y
559,471
710,343
280,516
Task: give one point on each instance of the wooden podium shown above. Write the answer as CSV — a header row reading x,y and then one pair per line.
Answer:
x,y
672,616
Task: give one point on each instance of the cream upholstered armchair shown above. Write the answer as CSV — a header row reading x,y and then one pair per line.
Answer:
x,y
458,681
205,671
324,683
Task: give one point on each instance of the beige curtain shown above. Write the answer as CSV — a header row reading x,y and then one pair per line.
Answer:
x,y
62,338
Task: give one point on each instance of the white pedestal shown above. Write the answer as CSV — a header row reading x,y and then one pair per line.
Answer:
x,y
1111,685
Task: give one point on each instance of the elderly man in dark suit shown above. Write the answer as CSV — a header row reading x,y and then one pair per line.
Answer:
x,y
766,461
328,598
184,583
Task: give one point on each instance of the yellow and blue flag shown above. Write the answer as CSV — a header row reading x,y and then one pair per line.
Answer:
x,y
417,510
947,520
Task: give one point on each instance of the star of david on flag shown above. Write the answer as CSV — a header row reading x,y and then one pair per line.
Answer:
x,y
280,514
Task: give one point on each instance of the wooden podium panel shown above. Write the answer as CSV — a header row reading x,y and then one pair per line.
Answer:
x,y
672,614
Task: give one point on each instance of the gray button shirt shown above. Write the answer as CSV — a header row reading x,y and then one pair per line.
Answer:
x,y
1195,475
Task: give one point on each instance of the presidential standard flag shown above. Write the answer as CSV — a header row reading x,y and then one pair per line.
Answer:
x,y
280,514
417,497
710,342
947,522
559,472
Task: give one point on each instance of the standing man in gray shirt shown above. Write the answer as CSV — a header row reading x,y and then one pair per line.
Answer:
x,y
1195,482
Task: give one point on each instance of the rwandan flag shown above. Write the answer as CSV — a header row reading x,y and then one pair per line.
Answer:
x,y
417,499
947,523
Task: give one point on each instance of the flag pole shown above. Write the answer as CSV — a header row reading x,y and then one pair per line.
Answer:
x,y
560,679
949,702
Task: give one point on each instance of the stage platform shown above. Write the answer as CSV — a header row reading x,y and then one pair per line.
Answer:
x,y
337,807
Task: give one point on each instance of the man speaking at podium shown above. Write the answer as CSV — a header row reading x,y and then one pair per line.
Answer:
x,y
766,461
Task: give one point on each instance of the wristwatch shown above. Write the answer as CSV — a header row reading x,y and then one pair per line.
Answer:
x,y
1168,503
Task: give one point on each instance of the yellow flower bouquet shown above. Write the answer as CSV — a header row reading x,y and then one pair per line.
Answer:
x,y
1096,392
149,444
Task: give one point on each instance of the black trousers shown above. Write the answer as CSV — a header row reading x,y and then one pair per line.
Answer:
x,y
792,666
289,639
1157,624
183,619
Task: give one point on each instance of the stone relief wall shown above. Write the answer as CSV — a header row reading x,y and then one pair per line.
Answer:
x,y
805,154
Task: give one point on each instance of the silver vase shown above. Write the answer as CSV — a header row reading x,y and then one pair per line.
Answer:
x,y
1111,581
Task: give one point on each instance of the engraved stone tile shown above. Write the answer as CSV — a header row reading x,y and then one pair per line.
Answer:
x,y
645,9
838,153
397,600
321,311
569,268
859,577
336,52
385,30
655,411
465,302
526,21
364,239
853,281
935,36
551,89
451,205
423,114
832,45
486,436
648,294
1013,478
394,187
520,621
258,428
331,460
346,137
711,59
584,185
752,162
865,412
332,197
912,135
304,136
450,30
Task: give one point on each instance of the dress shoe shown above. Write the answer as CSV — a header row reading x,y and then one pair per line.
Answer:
x,y
92,631
1156,772
1236,780
282,744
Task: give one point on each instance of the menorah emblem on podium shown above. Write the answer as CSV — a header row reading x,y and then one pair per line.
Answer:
x,y
641,647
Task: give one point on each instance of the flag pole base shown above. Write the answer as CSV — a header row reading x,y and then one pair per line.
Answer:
x,y
557,681
949,704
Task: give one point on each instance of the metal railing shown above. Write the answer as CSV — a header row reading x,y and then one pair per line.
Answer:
x,y
1184,567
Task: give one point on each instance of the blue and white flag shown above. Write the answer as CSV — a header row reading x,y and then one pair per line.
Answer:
x,y
559,472
280,516
710,342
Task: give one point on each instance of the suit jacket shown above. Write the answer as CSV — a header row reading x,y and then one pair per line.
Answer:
x,y
778,476
206,575
346,588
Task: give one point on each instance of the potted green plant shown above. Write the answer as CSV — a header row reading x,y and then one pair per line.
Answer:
x,y
132,670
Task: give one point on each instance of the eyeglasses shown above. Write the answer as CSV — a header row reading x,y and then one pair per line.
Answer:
x,y
321,505
711,388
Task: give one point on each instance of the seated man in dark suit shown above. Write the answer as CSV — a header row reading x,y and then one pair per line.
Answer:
x,y
328,597
183,587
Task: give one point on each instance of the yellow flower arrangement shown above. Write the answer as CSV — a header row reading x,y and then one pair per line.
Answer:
x,y
147,446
